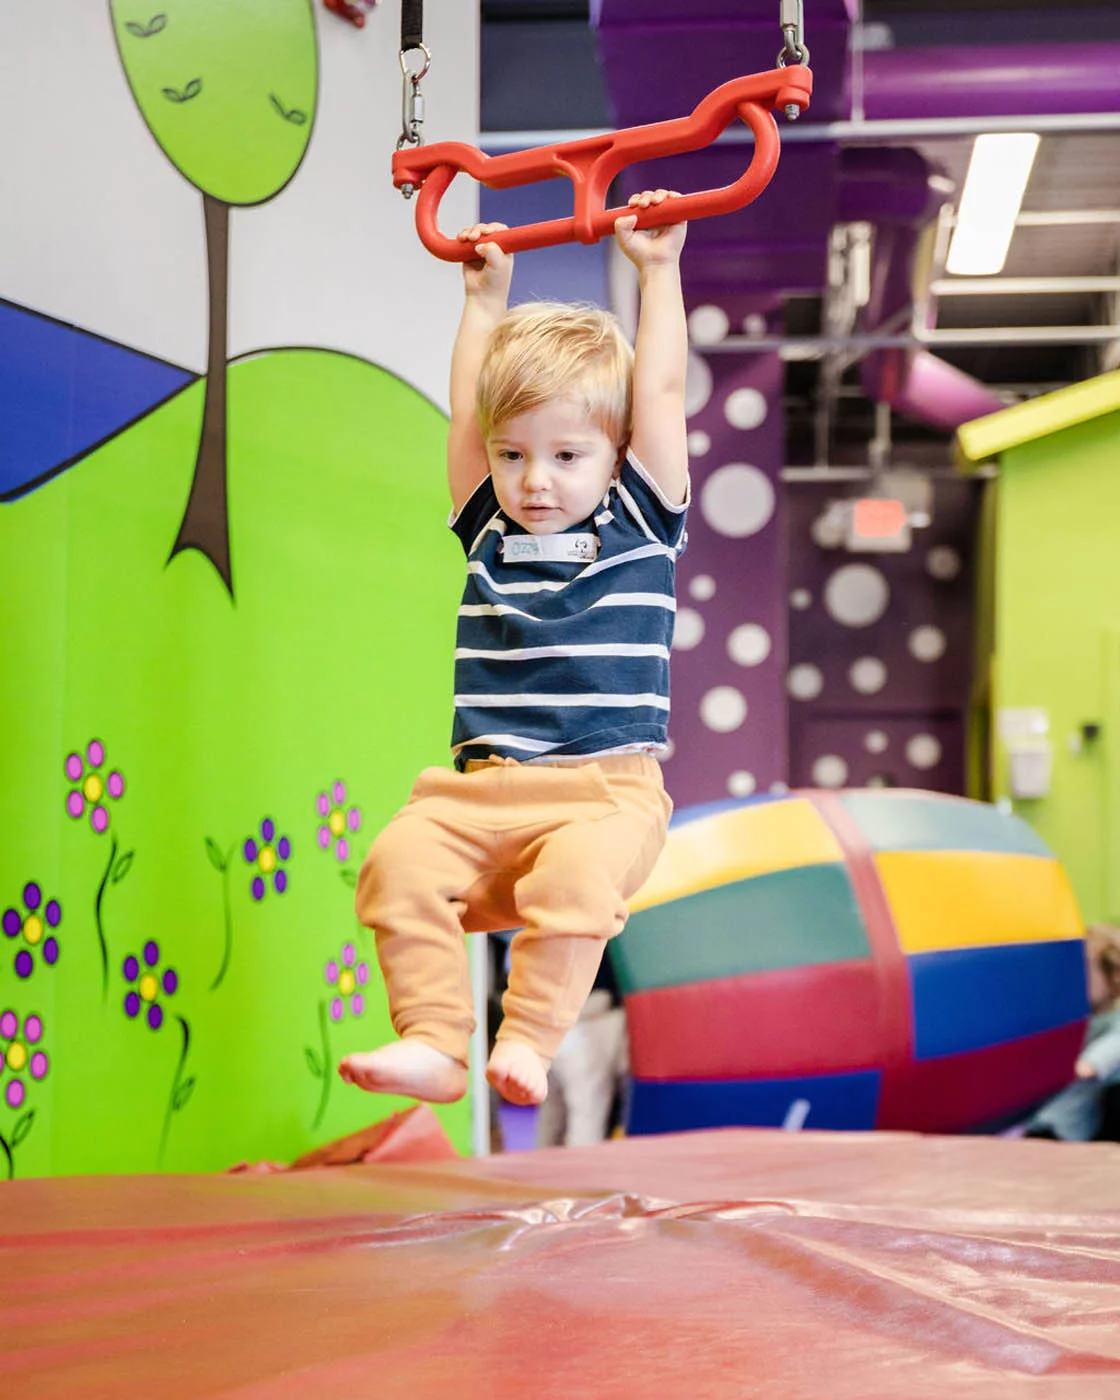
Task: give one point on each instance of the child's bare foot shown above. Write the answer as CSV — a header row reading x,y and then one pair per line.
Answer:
x,y
411,1067
518,1073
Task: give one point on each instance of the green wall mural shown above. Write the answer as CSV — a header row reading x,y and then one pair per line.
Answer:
x,y
229,92
186,808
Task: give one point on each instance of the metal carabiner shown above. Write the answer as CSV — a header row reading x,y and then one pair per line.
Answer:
x,y
412,102
793,50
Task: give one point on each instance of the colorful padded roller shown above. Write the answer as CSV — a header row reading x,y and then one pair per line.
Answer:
x,y
864,959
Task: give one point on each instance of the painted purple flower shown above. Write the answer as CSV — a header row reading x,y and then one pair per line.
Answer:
x,y
148,983
336,820
20,1055
345,976
268,855
91,786
33,926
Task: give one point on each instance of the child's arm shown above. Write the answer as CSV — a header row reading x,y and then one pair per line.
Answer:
x,y
486,294
660,436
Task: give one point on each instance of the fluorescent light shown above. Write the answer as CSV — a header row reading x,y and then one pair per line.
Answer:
x,y
993,191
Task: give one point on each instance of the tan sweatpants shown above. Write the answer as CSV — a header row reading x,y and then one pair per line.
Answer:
x,y
553,849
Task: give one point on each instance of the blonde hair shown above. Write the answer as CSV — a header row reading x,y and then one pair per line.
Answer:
x,y
545,350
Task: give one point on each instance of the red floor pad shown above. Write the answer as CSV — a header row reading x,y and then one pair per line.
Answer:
x,y
739,1263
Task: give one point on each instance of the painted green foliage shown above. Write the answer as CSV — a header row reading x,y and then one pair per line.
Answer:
x,y
232,112
181,966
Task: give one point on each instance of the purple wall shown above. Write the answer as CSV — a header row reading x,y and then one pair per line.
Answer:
x,y
880,648
728,724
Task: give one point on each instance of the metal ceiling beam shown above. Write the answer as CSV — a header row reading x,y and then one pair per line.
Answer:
x,y
902,129
1020,286
813,347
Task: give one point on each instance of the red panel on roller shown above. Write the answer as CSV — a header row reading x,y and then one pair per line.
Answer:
x,y
955,1092
795,1020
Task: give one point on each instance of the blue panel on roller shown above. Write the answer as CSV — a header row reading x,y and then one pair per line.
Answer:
x,y
840,1101
970,998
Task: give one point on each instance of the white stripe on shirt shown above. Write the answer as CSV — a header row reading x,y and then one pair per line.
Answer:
x,y
595,699
583,649
477,567
506,741
636,600
635,510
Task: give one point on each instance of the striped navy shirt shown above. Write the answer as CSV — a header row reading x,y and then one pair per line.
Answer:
x,y
566,657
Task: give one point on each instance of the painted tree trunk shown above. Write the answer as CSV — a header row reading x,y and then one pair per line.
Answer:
x,y
205,524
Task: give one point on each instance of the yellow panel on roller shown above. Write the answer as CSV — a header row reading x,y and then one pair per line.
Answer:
x,y
734,845
973,899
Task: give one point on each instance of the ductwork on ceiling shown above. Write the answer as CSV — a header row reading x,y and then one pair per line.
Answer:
x,y
659,57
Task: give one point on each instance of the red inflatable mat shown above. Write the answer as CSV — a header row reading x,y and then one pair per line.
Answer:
x,y
735,1263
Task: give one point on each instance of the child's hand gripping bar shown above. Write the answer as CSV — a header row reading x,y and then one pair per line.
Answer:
x,y
593,162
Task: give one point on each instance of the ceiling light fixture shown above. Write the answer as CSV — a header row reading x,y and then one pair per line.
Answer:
x,y
993,192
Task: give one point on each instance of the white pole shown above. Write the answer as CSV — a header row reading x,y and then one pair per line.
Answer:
x,y
479,1088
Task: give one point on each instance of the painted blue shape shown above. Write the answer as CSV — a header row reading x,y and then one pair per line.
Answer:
x,y
968,998
63,391
840,1101
683,815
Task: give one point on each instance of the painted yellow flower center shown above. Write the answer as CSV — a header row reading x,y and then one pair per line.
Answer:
x,y
33,928
92,788
346,982
267,859
16,1056
337,823
148,986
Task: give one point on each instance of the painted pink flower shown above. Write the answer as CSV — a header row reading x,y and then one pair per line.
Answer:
x,y
92,786
337,821
346,976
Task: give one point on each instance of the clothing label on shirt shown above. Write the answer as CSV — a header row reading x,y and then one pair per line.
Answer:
x,y
579,549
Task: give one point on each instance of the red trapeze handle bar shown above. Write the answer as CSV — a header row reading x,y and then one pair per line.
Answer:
x,y
592,163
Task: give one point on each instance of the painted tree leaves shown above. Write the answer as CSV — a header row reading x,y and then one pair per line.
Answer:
x,y
155,25
192,89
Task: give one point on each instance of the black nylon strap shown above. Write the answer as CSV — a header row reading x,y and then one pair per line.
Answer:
x,y
412,24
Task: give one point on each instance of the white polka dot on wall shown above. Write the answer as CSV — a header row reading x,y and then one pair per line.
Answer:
x,y
805,681
830,771
875,741
749,644
697,385
856,595
779,788
943,562
737,500
745,409
699,443
688,629
708,325
867,675
926,643
800,599
923,751
702,587
723,708
741,783
754,325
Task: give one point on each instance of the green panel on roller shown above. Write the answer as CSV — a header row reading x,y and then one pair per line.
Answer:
x,y
788,918
912,822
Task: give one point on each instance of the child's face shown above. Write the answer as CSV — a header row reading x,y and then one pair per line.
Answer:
x,y
551,467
